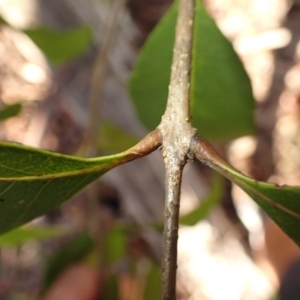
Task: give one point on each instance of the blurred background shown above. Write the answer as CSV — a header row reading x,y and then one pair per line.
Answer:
x,y
64,67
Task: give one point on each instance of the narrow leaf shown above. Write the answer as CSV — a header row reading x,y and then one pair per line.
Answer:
x,y
10,111
115,249
114,139
221,95
75,251
21,235
115,244
60,46
34,182
281,203
3,21
111,288
206,205
153,283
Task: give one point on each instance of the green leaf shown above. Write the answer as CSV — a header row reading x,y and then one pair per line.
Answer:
x,y
21,235
111,288
150,78
34,182
204,208
221,97
153,283
3,21
115,249
75,251
10,111
114,139
281,203
221,94
61,46
115,244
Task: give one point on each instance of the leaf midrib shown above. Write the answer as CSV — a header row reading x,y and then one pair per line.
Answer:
x,y
59,175
255,192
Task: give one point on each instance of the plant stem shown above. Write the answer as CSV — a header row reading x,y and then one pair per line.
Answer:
x,y
177,133
170,236
100,72
97,218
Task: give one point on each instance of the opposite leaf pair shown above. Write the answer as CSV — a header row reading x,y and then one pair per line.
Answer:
x,y
33,182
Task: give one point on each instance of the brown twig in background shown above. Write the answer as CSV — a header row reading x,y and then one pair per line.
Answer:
x,y
100,70
99,223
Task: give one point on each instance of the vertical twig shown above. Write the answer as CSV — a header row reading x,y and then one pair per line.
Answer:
x,y
177,134
98,219
100,71
170,236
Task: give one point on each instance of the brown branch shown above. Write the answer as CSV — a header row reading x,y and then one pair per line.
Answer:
x,y
205,152
97,222
100,72
148,144
177,134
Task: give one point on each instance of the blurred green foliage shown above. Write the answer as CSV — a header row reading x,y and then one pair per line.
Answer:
x,y
10,111
61,46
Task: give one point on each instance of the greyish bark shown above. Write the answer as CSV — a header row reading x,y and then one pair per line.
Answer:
x,y
177,133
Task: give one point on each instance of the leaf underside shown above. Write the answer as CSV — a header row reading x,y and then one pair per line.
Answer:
x,y
34,182
222,103
281,203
